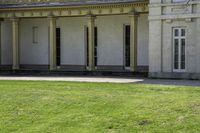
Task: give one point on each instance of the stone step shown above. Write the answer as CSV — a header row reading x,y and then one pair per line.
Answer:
x,y
72,73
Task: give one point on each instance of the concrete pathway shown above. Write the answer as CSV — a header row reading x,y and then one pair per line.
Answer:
x,y
105,79
73,78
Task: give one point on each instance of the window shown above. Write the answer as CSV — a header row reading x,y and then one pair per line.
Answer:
x,y
179,43
35,34
127,40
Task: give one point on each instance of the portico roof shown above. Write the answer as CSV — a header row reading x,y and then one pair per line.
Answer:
x,y
63,8
53,3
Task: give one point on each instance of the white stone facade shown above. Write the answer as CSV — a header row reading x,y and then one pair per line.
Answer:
x,y
164,16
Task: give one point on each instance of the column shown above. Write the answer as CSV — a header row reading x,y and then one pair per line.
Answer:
x,y
52,43
91,26
133,44
15,43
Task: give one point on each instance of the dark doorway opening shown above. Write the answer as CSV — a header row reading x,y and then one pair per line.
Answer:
x,y
58,62
127,32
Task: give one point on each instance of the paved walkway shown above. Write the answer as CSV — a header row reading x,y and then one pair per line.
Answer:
x,y
105,79
73,78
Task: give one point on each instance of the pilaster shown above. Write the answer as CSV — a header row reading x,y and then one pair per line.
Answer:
x,y
155,46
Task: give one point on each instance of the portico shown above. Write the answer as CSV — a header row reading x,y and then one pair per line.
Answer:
x,y
92,37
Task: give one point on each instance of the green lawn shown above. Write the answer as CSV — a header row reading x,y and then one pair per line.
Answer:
x,y
70,107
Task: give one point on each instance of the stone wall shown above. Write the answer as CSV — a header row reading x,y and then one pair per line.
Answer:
x,y
163,17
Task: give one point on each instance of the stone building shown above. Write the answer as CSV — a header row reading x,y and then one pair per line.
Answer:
x,y
160,37
174,42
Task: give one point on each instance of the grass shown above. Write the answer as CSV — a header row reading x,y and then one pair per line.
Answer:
x,y
70,107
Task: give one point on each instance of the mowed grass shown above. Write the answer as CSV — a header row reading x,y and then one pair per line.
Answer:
x,y
73,107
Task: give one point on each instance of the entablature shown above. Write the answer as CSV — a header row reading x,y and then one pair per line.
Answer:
x,y
64,11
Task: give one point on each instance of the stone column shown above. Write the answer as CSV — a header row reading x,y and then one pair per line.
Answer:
x,y
133,44
91,26
52,43
15,43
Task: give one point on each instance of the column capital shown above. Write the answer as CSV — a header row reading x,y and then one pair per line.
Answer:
x,y
52,17
133,13
91,16
15,19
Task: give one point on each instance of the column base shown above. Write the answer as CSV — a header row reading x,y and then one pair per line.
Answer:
x,y
15,67
53,68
